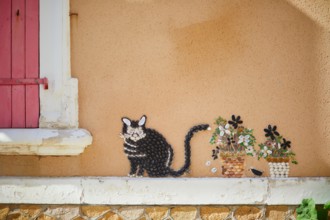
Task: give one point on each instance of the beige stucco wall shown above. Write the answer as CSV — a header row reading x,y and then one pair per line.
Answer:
x,y
186,62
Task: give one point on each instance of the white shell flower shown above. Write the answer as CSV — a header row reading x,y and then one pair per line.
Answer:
x,y
265,151
244,139
249,149
224,130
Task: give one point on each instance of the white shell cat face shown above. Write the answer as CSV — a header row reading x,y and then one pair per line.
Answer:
x,y
134,134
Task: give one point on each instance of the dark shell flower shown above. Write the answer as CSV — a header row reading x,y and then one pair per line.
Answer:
x,y
228,141
215,153
286,144
235,121
271,132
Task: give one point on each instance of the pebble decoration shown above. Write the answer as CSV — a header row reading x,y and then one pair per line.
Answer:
x,y
214,170
279,170
232,166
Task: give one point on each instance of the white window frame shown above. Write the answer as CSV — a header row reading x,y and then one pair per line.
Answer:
x,y
58,132
58,104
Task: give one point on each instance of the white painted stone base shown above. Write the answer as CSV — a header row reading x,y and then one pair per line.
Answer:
x,y
163,191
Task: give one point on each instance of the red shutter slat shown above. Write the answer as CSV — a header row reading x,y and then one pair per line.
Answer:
x,y
18,63
5,62
32,62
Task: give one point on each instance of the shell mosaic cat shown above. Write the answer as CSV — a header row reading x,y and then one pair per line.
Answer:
x,y
148,151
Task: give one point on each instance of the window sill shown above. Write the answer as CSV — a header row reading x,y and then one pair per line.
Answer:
x,y
163,191
44,142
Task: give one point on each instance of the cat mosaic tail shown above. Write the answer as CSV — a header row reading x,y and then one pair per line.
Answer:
x,y
147,149
187,149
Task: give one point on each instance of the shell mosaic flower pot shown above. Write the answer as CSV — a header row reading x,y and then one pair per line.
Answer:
x,y
232,166
278,167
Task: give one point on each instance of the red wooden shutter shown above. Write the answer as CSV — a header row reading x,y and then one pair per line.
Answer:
x,y
5,62
19,59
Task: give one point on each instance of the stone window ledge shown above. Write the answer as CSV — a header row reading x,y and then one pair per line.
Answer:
x,y
163,191
41,141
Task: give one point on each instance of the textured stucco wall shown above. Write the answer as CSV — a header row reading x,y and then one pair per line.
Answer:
x,y
186,62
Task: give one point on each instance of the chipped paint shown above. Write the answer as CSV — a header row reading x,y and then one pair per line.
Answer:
x,y
65,114
41,141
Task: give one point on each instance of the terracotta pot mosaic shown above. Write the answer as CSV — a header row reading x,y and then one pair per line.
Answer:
x,y
232,165
279,167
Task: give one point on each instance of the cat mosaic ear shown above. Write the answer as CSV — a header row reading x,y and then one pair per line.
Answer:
x,y
142,120
126,121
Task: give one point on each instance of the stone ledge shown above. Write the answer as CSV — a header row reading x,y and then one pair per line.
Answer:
x,y
40,141
163,191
